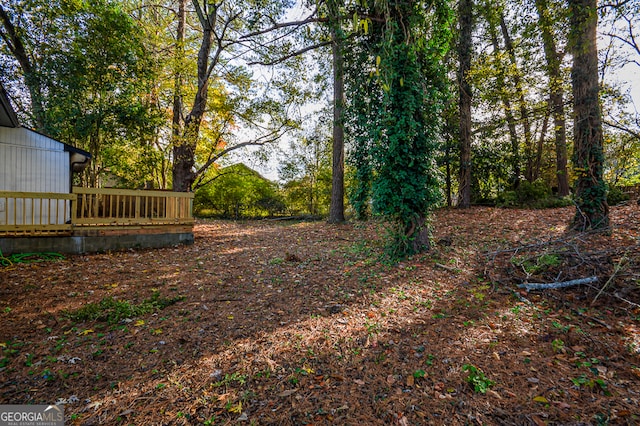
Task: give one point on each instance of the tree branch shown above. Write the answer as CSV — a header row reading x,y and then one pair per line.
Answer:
x,y
633,133
540,286
291,55
310,19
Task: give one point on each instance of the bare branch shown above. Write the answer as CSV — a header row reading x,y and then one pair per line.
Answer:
x,y
310,19
631,132
291,55
263,140
613,5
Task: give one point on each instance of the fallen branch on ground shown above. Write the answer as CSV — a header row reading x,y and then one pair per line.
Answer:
x,y
541,286
619,266
447,268
299,217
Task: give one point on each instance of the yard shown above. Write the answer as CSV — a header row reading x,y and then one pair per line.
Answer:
x,y
274,322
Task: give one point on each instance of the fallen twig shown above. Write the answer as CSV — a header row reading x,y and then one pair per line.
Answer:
x,y
619,266
542,286
447,268
521,297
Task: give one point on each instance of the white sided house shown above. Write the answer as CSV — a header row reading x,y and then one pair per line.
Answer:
x,y
31,162
41,211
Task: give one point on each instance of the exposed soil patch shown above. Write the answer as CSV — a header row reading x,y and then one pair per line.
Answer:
x,y
302,323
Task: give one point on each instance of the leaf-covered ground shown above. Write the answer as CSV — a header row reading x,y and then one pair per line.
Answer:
x,y
276,323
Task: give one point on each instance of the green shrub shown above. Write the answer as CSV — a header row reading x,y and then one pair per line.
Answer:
x,y
616,196
536,195
507,199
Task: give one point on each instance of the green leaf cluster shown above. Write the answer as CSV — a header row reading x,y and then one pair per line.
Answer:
x,y
477,379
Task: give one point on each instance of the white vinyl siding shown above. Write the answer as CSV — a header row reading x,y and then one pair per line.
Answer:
x,y
31,162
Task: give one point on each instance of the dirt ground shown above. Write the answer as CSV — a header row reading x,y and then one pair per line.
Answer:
x,y
280,323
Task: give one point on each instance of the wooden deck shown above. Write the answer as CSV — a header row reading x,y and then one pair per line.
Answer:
x,y
94,211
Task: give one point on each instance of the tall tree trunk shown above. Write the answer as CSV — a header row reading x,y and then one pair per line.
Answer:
x,y
465,16
11,36
592,211
508,111
537,165
447,162
176,131
522,103
556,95
336,210
185,150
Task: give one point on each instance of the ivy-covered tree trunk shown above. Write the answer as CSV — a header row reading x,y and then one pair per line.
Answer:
x,y
592,211
405,179
405,184
465,17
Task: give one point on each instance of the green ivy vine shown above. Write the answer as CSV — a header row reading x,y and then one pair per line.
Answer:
x,y
394,117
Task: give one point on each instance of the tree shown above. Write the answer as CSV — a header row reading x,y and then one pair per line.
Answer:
x,y
498,66
556,93
16,40
83,92
237,192
465,19
336,210
307,172
518,84
224,28
588,157
408,42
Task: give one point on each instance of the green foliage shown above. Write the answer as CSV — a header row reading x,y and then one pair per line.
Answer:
x,y
238,192
594,384
477,379
616,195
537,265
396,119
306,172
228,379
558,345
419,374
94,93
112,311
537,195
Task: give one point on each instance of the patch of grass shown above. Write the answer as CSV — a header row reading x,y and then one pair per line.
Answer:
x,y
112,311
537,265
230,378
558,345
360,248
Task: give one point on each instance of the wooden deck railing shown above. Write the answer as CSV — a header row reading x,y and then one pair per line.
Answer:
x,y
37,214
108,207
